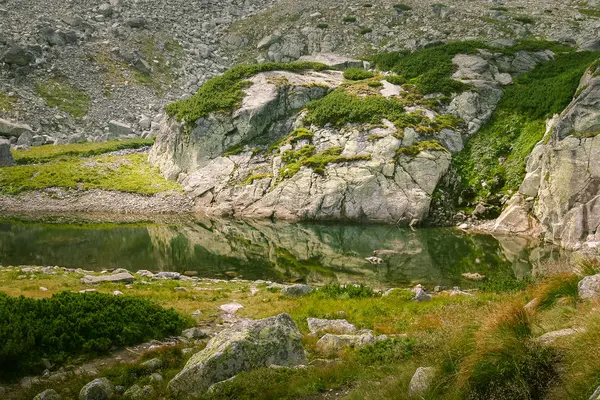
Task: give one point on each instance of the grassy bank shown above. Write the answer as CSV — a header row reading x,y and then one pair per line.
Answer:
x,y
84,166
481,346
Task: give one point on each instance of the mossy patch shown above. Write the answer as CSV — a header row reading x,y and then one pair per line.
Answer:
x,y
426,145
131,174
42,154
57,92
7,103
295,159
357,74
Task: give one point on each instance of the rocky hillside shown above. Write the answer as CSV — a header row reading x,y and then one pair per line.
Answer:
x,y
316,143
68,69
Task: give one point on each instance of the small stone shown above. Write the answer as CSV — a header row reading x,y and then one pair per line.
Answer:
x,y
589,287
98,389
420,294
194,333
318,326
49,394
181,289
152,365
43,289
421,381
374,260
475,276
119,128
550,337
231,308
117,293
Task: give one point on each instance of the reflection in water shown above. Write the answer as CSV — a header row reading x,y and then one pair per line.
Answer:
x,y
284,252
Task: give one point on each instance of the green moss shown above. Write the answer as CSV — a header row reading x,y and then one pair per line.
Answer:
x,y
58,93
503,9
395,79
590,12
349,20
42,154
224,93
131,174
374,138
357,74
164,55
365,30
427,145
322,26
375,84
587,134
340,108
7,102
250,180
306,156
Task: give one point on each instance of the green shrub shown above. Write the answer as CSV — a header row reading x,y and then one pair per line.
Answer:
x,y
385,352
524,19
375,84
357,74
396,79
365,30
349,19
74,324
337,291
413,151
554,288
340,108
322,26
224,93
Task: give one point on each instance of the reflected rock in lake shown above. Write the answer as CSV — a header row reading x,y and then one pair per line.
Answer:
x,y
283,252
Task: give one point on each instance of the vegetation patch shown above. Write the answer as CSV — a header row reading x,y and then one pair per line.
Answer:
x,y
337,291
42,154
493,161
250,180
590,12
322,26
131,174
402,7
224,93
67,98
365,30
427,145
357,74
7,102
349,20
74,324
295,159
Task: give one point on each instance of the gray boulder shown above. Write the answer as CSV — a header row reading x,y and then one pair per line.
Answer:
x,y
420,294
152,365
18,56
98,389
119,128
48,394
124,277
317,326
267,41
296,290
6,158
247,346
8,128
551,337
332,343
589,287
194,333
421,381
138,22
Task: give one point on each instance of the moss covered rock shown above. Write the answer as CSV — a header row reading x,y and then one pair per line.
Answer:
x,y
247,346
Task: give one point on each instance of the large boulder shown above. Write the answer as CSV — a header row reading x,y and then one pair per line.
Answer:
x,y
589,287
318,327
18,56
98,389
6,158
48,394
123,277
298,290
247,346
8,128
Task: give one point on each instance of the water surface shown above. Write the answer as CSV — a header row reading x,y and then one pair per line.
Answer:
x,y
283,252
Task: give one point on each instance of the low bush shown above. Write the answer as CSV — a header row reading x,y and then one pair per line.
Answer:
x,y
224,93
402,7
555,288
349,19
357,74
322,26
365,30
396,79
385,352
73,324
340,108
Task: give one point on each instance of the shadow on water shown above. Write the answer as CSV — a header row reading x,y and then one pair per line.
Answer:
x,y
284,252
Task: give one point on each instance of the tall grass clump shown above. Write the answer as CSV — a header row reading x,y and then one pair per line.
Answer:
x,y
507,363
68,325
337,291
561,287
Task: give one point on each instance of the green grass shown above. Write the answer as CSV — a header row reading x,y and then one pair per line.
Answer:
x,y
337,291
295,159
66,97
131,174
518,124
7,102
590,12
73,324
42,154
224,93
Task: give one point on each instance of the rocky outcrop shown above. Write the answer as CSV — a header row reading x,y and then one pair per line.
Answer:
x,y
561,189
6,158
246,346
